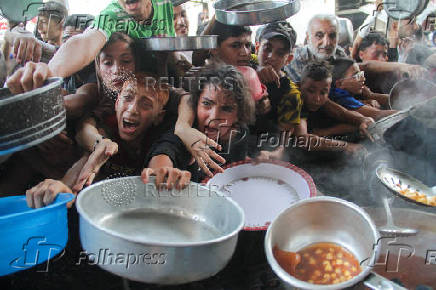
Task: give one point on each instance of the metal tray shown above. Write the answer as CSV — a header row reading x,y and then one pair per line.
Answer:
x,y
178,43
397,181
31,118
254,12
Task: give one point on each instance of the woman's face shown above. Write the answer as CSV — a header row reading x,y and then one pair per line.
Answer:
x,y
217,112
117,64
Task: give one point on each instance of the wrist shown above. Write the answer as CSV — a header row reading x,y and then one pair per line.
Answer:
x,y
48,51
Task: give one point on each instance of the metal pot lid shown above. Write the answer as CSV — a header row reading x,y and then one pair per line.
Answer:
x,y
20,11
397,9
254,12
178,43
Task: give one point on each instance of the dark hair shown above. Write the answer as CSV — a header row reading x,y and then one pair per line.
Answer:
x,y
228,78
53,10
225,31
79,21
116,36
317,71
340,67
370,39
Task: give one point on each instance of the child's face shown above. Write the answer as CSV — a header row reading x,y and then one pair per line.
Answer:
x,y
273,52
50,29
217,112
315,93
235,50
116,64
135,108
353,80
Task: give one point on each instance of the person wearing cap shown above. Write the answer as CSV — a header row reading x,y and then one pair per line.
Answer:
x,y
137,18
51,18
274,51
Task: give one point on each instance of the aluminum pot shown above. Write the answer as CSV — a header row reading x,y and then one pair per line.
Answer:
x,y
162,237
32,117
325,219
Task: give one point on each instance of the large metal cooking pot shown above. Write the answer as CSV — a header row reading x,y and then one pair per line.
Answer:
x,y
325,219
31,118
160,237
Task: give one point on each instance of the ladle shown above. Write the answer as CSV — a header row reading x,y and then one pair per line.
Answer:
x,y
390,229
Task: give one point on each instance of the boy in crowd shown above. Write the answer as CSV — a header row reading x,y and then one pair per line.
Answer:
x,y
51,19
139,110
274,52
137,18
349,83
317,109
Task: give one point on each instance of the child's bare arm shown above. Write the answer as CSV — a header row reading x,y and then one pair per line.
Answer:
x,y
312,142
196,142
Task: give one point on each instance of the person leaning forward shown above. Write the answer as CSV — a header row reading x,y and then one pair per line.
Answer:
x,y
137,18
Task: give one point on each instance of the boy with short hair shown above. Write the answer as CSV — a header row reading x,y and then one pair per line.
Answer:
x,y
317,108
139,109
274,52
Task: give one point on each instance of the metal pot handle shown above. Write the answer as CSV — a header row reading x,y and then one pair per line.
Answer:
x,y
377,282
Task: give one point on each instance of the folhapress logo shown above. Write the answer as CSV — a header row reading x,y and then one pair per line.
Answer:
x,y
36,251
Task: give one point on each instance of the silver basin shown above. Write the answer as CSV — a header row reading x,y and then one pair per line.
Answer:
x,y
164,237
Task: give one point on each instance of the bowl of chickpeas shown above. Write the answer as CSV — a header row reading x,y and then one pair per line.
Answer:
x,y
322,243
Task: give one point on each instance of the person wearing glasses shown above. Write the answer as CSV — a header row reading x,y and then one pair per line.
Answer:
x,y
349,90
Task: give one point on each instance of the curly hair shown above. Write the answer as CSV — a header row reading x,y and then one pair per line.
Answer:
x,y
317,71
228,78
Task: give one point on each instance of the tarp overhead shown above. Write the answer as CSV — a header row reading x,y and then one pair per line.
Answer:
x,y
20,11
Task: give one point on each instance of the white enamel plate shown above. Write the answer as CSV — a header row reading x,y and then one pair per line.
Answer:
x,y
263,190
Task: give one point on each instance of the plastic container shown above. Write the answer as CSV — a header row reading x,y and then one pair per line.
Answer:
x,y
31,236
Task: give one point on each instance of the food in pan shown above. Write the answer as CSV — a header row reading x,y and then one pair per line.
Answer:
x,y
416,195
320,263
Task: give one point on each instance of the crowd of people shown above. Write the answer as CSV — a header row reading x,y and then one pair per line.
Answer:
x,y
183,115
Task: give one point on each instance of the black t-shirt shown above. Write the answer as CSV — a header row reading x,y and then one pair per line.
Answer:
x,y
236,149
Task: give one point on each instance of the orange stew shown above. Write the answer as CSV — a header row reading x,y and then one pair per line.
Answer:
x,y
321,263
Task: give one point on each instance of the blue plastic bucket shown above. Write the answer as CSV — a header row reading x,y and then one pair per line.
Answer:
x,y
29,237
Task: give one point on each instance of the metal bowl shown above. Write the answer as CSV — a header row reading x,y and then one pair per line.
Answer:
x,y
161,237
178,43
31,118
323,219
254,12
